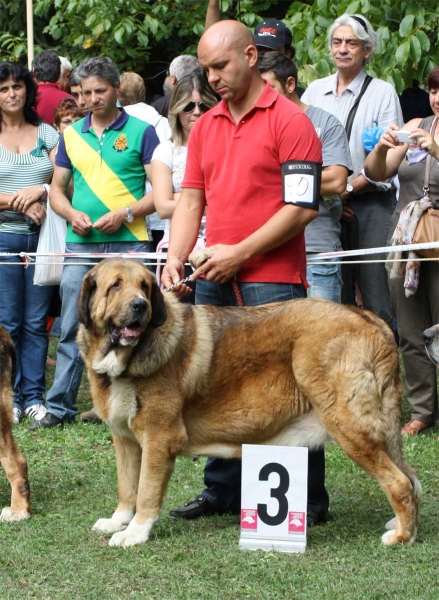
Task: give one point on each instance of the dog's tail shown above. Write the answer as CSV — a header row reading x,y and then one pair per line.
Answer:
x,y
390,408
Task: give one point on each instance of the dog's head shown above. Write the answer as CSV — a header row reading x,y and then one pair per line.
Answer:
x,y
120,298
431,340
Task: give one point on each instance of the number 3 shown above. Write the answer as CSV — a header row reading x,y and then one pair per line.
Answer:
x,y
278,493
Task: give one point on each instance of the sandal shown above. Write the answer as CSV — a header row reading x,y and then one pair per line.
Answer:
x,y
415,427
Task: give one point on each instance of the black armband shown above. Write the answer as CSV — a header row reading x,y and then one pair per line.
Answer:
x,y
301,181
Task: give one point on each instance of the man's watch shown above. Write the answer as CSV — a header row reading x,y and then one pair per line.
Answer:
x,y
130,216
350,190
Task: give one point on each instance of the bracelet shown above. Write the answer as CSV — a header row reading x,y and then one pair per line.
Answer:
x,y
178,260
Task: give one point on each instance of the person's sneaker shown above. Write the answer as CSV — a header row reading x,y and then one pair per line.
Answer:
x,y
35,412
199,507
18,415
47,421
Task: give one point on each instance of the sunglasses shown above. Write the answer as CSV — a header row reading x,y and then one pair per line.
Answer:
x,y
191,107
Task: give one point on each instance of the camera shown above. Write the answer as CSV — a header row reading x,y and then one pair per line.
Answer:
x,y
404,137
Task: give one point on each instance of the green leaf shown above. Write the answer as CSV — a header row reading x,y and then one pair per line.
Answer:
x,y
423,40
352,8
406,25
119,35
415,49
402,53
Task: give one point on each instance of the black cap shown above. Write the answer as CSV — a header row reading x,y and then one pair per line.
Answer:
x,y
272,34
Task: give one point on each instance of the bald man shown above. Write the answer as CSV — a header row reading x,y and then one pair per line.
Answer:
x,y
236,155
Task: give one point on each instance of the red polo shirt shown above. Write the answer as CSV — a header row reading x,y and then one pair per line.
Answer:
x,y
49,96
239,166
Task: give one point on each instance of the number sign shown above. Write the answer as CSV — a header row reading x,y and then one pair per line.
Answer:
x,y
274,495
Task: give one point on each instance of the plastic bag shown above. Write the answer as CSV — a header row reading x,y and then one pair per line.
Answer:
x,y
52,239
371,137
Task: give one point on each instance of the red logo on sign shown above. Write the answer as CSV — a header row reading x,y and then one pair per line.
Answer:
x,y
249,519
296,522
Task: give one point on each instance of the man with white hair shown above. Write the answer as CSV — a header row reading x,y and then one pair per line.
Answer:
x,y
352,43
180,67
66,69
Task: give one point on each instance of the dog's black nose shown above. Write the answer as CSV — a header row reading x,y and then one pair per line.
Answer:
x,y
428,336
139,305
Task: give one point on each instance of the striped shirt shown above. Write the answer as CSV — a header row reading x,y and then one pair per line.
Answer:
x,y
25,170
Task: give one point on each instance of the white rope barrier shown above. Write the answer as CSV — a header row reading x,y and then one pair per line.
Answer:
x,y
152,258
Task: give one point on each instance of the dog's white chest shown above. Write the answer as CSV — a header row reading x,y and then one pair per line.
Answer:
x,y
122,405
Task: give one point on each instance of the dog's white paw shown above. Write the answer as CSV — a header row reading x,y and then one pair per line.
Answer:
x,y
118,521
390,524
134,534
9,515
390,538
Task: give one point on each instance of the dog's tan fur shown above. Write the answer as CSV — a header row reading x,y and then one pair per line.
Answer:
x,y
11,458
205,380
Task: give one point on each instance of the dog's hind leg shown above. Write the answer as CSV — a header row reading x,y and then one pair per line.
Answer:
x,y
372,456
128,457
15,467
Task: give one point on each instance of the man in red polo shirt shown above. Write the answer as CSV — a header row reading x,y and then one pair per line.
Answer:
x,y
234,168
46,68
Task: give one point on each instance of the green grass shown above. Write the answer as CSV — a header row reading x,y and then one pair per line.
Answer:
x,y
56,556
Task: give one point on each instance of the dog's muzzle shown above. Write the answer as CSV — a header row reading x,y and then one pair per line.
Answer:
x,y
127,334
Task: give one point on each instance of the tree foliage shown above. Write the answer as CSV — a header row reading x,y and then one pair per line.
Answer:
x,y
135,32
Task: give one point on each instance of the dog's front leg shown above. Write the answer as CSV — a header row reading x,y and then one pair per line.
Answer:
x,y
128,457
156,469
15,467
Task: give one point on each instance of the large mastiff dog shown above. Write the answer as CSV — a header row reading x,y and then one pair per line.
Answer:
x,y
11,458
172,379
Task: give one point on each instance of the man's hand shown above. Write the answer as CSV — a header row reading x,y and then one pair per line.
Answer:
x,y
112,221
36,212
22,199
172,272
224,264
81,223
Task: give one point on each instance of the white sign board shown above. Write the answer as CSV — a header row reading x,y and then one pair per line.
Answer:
x,y
274,497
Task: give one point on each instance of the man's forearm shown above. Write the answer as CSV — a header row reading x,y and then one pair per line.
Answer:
x,y
60,203
282,226
185,226
144,206
213,13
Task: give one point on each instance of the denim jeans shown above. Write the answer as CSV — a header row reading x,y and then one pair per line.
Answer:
x,y
222,477
324,280
61,398
23,312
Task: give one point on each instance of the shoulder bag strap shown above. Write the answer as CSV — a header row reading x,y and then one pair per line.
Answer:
x,y
428,162
353,111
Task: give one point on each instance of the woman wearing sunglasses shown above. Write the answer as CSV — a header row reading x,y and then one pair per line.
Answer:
x,y
190,99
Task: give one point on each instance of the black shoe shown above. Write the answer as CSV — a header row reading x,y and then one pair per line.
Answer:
x,y
315,518
199,507
49,420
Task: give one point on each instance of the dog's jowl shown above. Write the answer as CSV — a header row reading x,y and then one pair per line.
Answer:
x,y
173,379
11,458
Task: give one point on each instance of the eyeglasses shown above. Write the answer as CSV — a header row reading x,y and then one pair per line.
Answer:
x,y
190,107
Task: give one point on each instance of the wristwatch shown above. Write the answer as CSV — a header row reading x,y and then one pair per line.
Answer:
x,y
350,190
130,216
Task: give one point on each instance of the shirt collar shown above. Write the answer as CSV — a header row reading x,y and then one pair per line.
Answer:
x,y
354,86
117,124
265,100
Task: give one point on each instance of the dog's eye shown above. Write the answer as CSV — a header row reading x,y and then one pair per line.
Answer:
x,y
115,286
145,287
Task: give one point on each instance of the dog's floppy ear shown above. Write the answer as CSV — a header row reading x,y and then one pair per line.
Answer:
x,y
85,299
158,309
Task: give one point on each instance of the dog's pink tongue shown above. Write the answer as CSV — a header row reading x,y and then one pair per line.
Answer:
x,y
130,332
